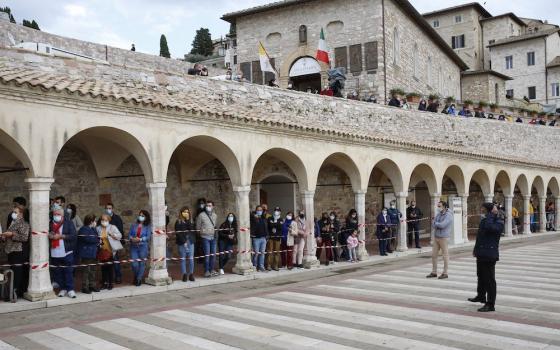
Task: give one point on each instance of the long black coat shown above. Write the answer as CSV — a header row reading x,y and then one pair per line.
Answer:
x,y
487,243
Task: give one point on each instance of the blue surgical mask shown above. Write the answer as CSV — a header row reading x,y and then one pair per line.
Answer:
x,y
57,218
259,212
109,211
230,219
141,218
56,206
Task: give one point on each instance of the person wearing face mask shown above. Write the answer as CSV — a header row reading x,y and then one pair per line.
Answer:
x,y
413,216
116,220
383,231
88,242
15,246
72,214
288,241
327,229
227,238
259,233
395,215
351,225
275,223
206,224
17,201
60,203
185,238
443,224
110,243
63,238
486,252
299,241
139,236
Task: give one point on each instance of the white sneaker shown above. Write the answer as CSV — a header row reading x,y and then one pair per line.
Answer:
x,y
55,285
72,294
222,271
62,293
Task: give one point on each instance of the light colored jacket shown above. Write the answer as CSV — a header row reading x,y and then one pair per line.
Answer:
x,y
443,224
115,242
292,234
207,226
352,242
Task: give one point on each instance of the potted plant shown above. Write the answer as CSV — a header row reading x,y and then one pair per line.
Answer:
x,y
468,104
494,107
450,100
413,97
398,92
482,104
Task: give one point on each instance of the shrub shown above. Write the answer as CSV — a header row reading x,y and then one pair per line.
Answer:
x,y
450,99
467,102
482,104
413,94
397,91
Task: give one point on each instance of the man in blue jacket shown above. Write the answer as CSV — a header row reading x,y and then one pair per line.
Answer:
x,y
63,239
395,217
486,251
442,225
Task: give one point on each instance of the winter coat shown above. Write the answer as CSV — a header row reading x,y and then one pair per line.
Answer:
x,y
182,237
413,215
275,228
259,227
395,216
227,229
207,224
352,242
145,233
21,231
487,243
69,235
329,229
383,225
88,241
443,224
292,233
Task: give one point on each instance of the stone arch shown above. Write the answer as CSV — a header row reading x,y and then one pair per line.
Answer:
x,y
423,172
482,179
504,181
538,184
108,147
553,187
345,163
456,174
392,171
288,61
295,164
523,185
17,151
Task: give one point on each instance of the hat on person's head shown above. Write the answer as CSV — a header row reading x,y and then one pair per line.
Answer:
x,y
488,206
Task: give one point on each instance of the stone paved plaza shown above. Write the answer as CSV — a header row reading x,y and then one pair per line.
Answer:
x,y
385,306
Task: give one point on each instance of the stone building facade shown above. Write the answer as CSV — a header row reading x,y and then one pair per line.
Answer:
x,y
489,86
382,44
142,137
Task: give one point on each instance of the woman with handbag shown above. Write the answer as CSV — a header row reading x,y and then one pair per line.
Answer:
x,y
227,238
139,235
109,237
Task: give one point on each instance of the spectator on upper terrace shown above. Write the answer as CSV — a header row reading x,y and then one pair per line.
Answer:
x,y
204,71
404,104
553,122
422,105
327,91
394,101
133,48
433,106
541,121
273,83
519,120
195,70
502,117
465,112
445,109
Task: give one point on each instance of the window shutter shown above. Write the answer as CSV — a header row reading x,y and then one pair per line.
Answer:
x,y
341,57
257,73
356,58
371,55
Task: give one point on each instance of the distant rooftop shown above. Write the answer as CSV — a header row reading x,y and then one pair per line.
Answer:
x,y
510,15
554,63
523,37
476,5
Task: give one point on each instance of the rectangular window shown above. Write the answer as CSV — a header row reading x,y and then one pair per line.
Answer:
x,y
555,89
458,42
532,92
436,23
509,93
458,19
509,62
531,58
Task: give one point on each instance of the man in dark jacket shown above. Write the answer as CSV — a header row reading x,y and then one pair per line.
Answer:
x,y
413,216
275,223
395,217
487,254
259,233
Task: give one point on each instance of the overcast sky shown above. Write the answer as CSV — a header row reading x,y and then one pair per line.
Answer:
x,y
122,22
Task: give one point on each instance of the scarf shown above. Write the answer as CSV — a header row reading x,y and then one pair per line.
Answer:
x,y
55,243
139,231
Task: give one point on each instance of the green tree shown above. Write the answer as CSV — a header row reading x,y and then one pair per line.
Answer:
x,y
26,23
35,25
202,43
9,12
163,49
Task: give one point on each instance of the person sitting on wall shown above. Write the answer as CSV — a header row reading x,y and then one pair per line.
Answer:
x,y
422,106
327,91
394,102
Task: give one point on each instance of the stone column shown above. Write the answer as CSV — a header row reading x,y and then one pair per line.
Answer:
x,y
526,215
489,198
360,201
40,287
464,203
542,214
309,257
508,227
158,276
557,214
243,265
435,198
401,206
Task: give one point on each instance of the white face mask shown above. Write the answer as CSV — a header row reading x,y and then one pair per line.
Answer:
x,y
384,212
289,217
277,214
230,219
57,218
109,211
69,211
209,209
14,216
331,217
104,223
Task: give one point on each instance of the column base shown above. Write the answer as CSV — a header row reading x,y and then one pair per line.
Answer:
x,y
39,296
311,262
244,269
363,255
402,249
158,278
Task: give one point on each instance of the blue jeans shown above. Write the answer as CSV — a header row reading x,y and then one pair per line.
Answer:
x,y
209,247
118,273
259,246
64,275
223,247
186,250
138,251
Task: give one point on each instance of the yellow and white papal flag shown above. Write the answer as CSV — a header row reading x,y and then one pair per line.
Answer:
x,y
265,60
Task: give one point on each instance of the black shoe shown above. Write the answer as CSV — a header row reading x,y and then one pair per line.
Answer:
x,y
477,300
185,277
487,308
138,283
118,280
104,286
327,263
418,247
86,291
389,251
110,286
94,289
431,275
191,277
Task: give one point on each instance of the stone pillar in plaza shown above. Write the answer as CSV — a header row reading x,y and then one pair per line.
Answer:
x,y
40,287
434,199
542,214
243,265
464,203
158,275
508,227
360,201
557,214
526,215
401,206
309,256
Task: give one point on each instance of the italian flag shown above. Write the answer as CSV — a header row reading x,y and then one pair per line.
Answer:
x,y
322,50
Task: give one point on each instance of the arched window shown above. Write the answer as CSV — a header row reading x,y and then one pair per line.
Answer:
x,y
396,46
415,61
302,34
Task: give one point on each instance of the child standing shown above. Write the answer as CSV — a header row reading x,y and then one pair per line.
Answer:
x,y
352,242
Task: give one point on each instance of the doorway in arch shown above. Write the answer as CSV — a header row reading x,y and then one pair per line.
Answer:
x,y
278,191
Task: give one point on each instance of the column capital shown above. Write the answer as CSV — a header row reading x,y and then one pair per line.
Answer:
x,y
156,185
39,183
401,194
360,192
435,195
463,195
242,189
527,196
508,196
307,194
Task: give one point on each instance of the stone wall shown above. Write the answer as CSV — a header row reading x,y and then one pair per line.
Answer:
x,y
481,87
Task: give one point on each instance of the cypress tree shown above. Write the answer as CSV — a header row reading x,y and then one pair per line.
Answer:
x,y
163,49
35,25
202,43
9,12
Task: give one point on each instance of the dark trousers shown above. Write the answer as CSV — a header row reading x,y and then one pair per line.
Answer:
x,y
107,274
283,248
224,246
290,256
382,244
20,282
88,273
486,286
392,239
117,267
414,229
64,272
326,245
